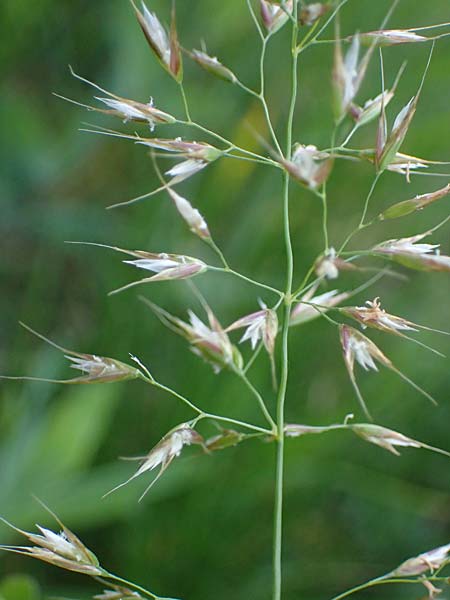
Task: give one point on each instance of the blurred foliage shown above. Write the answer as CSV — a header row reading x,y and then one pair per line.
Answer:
x,y
352,510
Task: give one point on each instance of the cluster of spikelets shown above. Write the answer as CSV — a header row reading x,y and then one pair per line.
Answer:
x,y
310,167
65,550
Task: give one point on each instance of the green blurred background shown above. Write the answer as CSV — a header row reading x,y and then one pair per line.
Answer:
x,y
353,511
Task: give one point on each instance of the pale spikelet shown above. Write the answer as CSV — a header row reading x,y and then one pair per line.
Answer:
x,y
357,346
95,369
212,65
186,169
296,430
302,313
63,549
328,265
164,452
389,439
405,164
165,47
406,207
129,110
227,438
166,267
310,13
428,561
374,316
407,252
118,593
372,108
348,74
124,108
392,37
197,156
388,145
274,15
185,149
308,165
210,342
260,325
191,215
383,437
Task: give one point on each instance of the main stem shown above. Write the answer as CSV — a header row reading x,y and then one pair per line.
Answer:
x,y
278,513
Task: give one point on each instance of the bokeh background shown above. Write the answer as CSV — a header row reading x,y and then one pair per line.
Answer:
x,y
353,511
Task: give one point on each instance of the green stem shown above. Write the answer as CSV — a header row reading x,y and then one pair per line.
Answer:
x,y
281,397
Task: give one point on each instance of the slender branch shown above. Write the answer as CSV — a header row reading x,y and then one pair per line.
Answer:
x,y
206,415
247,279
230,145
240,373
185,101
361,224
132,585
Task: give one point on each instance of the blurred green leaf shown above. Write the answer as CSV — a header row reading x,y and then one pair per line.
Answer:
x,y
19,587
